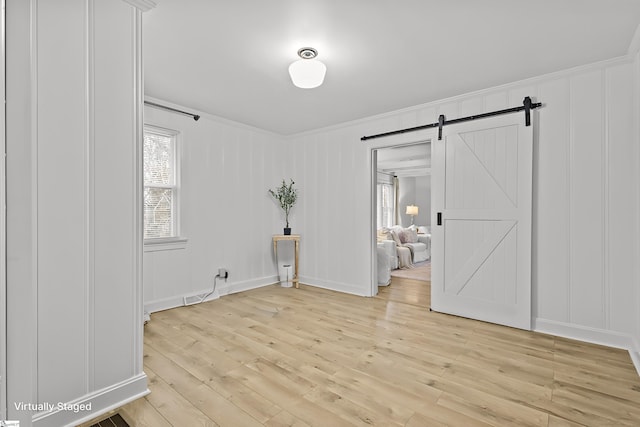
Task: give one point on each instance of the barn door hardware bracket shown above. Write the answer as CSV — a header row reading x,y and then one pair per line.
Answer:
x,y
440,124
527,110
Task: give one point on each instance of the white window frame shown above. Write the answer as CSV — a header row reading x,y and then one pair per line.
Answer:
x,y
176,241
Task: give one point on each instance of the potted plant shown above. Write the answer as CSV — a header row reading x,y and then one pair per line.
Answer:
x,y
286,196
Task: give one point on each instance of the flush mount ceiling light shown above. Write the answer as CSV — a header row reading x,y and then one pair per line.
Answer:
x,y
307,72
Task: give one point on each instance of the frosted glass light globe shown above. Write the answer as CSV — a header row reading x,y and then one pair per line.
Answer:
x,y
307,73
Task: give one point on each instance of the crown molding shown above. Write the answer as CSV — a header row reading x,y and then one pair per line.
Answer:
x,y
214,118
142,5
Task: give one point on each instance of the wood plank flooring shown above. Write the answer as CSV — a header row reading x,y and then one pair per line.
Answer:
x,y
311,357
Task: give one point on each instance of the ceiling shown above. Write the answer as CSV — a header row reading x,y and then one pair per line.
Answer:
x,y
230,58
405,161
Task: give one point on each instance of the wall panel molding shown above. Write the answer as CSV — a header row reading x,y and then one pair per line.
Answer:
x,y
32,303
142,5
605,165
89,215
21,237
138,156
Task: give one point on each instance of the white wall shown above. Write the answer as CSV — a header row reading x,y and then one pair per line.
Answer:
x,y
406,196
415,190
227,215
423,196
585,228
74,295
333,218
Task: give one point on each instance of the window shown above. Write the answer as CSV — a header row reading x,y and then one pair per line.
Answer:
x,y
160,184
385,205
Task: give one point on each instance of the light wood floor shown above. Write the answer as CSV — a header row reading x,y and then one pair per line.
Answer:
x,y
285,357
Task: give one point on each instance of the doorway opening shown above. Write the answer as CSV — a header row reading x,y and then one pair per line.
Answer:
x,y
401,204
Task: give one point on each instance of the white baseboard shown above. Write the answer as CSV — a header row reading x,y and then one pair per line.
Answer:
x,y
247,285
335,286
591,335
584,333
164,303
100,402
222,288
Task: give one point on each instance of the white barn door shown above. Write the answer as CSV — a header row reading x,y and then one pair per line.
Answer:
x,y
481,251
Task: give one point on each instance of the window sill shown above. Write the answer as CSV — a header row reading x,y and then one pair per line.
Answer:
x,y
169,244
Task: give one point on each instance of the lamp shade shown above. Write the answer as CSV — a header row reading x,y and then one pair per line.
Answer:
x,y
307,73
412,210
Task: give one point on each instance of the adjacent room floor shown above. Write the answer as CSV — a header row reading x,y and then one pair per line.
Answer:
x,y
418,271
276,356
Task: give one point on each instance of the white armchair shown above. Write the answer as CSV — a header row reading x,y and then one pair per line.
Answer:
x,y
384,267
389,247
424,236
420,249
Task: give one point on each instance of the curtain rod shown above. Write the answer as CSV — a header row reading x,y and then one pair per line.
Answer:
x,y
175,110
526,107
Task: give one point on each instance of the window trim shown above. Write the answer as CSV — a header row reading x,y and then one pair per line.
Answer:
x,y
155,244
177,241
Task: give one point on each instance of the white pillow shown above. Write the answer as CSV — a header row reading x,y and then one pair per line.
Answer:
x,y
408,235
394,237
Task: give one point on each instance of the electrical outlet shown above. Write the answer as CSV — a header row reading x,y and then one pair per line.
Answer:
x,y
223,273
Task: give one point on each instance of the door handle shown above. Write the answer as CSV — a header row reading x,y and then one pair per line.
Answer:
x,y
439,221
